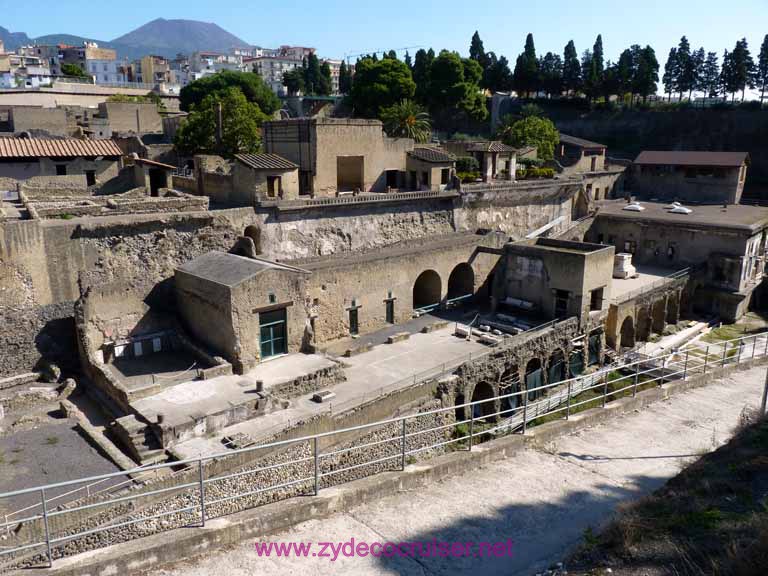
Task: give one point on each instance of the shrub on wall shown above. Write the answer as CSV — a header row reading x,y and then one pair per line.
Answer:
x,y
467,164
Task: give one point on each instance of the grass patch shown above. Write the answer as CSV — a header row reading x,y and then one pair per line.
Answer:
x,y
712,518
732,332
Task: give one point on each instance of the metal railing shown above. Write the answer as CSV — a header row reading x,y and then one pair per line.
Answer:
x,y
507,413
666,280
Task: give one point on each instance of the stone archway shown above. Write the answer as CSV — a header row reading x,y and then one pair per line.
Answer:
x,y
627,334
254,233
659,316
673,308
461,282
643,331
427,289
484,391
534,378
510,383
556,367
460,413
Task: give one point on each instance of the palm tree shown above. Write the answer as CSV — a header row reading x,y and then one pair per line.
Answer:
x,y
407,119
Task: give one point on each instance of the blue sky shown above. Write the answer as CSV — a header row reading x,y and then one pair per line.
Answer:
x,y
338,27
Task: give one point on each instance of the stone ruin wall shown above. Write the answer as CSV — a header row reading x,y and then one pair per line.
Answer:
x,y
42,262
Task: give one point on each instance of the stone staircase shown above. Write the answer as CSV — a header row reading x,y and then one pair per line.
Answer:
x,y
139,440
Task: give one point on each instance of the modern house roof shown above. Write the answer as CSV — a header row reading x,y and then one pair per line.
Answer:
x,y
580,142
230,269
68,148
434,155
266,162
734,216
691,158
490,146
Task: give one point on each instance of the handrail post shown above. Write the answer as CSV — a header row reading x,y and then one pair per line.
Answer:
x,y
725,350
663,367
202,491
402,455
706,359
764,404
471,424
685,366
568,407
317,465
637,379
754,346
605,390
47,528
525,409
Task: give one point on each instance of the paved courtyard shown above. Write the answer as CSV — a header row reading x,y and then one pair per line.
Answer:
x,y
543,500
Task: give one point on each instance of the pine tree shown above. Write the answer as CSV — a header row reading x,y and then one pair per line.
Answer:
x,y
625,72
526,74
728,75
709,80
670,75
684,73
421,66
477,51
593,79
408,61
551,71
571,69
345,79
647,73
761,75
743,67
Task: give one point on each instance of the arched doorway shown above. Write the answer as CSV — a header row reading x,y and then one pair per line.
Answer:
x,y
254,233
659,316
534,378
509,384
427,289
627,333
673,309
579,208
460,411
484,391
556,368
461,282
643,332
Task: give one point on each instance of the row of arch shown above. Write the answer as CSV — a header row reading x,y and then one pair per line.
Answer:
x,y
428,287
650,319
537,373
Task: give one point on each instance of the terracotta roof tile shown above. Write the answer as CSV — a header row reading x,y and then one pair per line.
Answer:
x,y
42,148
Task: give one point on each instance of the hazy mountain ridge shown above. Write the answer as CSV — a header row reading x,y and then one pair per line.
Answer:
x,y
160,36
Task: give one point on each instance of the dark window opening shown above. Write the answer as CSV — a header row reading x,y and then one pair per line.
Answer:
x,y
354,327
61,169
445,174
596,299
392,178
561,303
390,310
274,186
90,177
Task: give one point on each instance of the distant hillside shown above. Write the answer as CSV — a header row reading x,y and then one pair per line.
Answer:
x,y
161,37
168,37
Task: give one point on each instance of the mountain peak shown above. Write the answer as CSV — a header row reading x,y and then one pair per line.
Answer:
x,y
168,37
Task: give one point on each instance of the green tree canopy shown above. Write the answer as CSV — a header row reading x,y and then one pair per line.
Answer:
x,y
422,66
406,119
477,51
380,84
240,125
293,80
761,73
345,79
497,76
551,72
647,73
455,86
531,131
73,70
250,85
709,82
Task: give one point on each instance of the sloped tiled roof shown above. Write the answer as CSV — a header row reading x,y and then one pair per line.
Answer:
x,y
580,142
43,148
266,162
427,154
691,158
490,146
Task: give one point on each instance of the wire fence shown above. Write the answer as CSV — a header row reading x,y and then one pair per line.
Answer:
x,y
323,459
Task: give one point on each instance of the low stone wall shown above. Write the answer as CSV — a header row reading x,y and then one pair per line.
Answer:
x,y
43,187
309,382
130,202
188,185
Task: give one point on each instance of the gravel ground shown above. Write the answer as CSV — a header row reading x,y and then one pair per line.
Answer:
x,y
545,501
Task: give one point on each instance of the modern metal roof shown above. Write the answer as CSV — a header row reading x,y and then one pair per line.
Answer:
x,y
68,148
230,269
734,216
434,155
266,162
580,142
691,158
490,146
